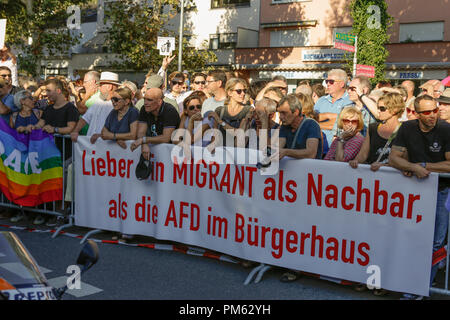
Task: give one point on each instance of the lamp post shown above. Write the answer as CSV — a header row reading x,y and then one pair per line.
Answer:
x,y
180,41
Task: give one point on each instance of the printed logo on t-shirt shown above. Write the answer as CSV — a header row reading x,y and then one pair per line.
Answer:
x,y
435,147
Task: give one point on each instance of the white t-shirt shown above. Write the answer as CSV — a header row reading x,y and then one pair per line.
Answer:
x,y
179,99
96,115
211,104
13,67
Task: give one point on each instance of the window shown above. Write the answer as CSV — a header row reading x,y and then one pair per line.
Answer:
x,y
222,41
418,32
229,3
289,38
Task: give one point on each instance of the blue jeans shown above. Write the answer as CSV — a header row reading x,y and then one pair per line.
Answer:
x,y
440,227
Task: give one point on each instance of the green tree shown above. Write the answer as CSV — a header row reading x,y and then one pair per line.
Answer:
x,y
133,29
45,22
371,22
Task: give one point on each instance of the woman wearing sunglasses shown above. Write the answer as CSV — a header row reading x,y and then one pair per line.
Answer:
x,y
121,123
27,116
348,142
236,108
192,107
377,144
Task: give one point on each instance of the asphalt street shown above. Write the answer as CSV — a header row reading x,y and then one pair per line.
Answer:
x,y
138,273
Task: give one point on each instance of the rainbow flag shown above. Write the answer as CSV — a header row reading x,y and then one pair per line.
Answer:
x,y
31,170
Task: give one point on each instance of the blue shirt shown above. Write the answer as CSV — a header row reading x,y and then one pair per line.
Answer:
x,y
113,124
310,129
8,101
325,104
24,122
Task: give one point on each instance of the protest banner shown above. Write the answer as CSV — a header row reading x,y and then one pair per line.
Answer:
x,y
30,167
363,70
165,45
316,216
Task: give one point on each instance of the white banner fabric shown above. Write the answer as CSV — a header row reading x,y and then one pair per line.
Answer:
x,y
316,216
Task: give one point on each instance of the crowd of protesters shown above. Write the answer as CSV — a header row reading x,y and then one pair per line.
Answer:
x,y
339,119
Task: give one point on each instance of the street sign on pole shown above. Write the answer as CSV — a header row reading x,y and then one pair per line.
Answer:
x,y
343,46
363,70
347,38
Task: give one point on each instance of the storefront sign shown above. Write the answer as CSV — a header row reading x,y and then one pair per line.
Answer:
x,y
323,55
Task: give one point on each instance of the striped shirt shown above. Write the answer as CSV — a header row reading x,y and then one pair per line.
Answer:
x,y
351,148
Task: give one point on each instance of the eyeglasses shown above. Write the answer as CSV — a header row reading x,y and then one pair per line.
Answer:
x,y
428,112
196,106
348,121
200,82
115,99
5,75
239,91
180,83
331,81
382,108
209,81
408,111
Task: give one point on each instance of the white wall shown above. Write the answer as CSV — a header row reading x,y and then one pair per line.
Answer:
x,y
206,21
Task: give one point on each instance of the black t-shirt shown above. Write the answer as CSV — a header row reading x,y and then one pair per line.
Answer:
x,y
60,117
168,117
233,121
425,146
377,144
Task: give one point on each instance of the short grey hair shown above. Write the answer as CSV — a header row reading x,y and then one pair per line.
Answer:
x,y
94,75
340,74
293,102
19,96
269,105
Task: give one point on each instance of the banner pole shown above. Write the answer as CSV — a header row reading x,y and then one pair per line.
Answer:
x,y
355,56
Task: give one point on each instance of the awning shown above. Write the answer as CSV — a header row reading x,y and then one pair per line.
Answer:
x,y
304,23
327,66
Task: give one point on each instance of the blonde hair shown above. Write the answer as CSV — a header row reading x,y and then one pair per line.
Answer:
x,y
231,84
307,104
350,111
124,92
394,102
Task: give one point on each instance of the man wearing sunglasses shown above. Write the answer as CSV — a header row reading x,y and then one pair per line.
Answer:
x,y
330,105
176,82
7,106
423,146
358,90
198,82
9,60
157,121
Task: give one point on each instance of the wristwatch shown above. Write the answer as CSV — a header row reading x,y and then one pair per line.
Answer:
x,y
423,164
56,129
223,123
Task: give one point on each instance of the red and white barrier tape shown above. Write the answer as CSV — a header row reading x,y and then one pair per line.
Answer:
x,y
158,246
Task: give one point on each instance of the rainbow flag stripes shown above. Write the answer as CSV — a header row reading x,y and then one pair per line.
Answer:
x,y
31,170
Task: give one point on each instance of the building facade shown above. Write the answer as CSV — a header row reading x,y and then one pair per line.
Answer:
x,y
294,38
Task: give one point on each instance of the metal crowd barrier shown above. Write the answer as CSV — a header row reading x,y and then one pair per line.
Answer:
x,y
52,210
